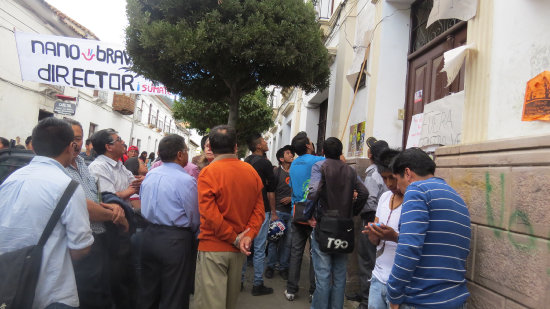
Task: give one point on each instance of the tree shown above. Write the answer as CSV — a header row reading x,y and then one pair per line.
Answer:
x,y
215,53
256,115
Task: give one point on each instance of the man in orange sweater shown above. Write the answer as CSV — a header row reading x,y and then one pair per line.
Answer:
x,y
232,211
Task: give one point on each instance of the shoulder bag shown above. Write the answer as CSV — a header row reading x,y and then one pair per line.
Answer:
x,y
20,268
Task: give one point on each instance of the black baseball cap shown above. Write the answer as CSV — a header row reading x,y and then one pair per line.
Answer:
x,y
376,146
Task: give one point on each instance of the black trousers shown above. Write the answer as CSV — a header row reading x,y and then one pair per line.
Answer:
x,y
366,258
299,234
92,276
168,256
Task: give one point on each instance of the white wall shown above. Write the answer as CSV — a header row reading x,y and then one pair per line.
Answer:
x,y
521,51
392,73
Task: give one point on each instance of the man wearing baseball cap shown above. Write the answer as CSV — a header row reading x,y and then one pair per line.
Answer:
x,y
375,185
133,151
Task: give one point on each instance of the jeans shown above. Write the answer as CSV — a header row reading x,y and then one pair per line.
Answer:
x,y
259,252
377,295
366,258
299,234
330,277
279,251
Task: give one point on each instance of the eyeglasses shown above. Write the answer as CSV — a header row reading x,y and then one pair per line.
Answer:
x,y
118,139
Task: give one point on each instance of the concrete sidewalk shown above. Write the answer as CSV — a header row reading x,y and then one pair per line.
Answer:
x,y
277,300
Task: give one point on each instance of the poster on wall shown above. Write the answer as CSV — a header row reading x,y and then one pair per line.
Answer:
x,y
442,121
352,140
415,130
360,138
80,63
537,98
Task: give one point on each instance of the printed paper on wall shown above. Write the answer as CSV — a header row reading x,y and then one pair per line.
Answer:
x,y
537,98
360,138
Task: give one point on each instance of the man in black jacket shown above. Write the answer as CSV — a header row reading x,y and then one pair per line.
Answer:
x,y
332,196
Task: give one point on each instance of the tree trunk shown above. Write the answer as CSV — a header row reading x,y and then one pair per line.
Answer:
x,y
234,100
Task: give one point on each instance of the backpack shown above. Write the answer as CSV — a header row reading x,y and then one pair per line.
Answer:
x,y
20,268
334,233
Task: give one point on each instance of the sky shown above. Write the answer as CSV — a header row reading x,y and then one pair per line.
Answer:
x,y
105,18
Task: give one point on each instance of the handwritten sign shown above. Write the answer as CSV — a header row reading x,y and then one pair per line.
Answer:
x,y
415,132
442,123
79,63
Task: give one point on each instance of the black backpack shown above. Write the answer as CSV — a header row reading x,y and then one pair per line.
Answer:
x,y
20,268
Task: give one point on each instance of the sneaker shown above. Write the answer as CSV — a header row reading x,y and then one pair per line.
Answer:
x,y
269,272
284,274
289,296
259,290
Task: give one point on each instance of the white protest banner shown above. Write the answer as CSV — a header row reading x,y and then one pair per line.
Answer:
x,y
442,123
415,130
80,63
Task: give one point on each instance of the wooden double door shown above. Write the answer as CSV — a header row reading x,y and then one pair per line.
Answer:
x,y
425,81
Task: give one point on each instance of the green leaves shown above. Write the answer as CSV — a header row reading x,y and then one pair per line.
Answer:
x,y
210,52
255,114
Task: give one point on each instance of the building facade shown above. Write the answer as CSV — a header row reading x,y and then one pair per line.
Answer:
x,y
141,120
475,124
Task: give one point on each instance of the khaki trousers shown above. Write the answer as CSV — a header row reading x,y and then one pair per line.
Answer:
x,y
218,279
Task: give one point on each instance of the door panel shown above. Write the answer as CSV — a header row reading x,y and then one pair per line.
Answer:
x,y
425,75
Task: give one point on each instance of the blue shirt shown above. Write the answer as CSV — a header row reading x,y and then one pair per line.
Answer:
x,y
434,241
28,198
169,197
300,174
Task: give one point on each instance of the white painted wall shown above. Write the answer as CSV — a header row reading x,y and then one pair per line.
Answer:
x,y
392,73
521,50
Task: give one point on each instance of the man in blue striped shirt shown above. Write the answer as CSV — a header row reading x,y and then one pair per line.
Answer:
x,y
430,262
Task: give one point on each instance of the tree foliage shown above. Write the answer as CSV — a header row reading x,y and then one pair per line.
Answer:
x,y
256,115
214,53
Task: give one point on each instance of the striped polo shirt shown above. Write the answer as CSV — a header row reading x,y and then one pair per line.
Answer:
x,y
434,240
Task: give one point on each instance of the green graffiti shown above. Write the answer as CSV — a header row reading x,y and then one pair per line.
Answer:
x,y
489,208
521,216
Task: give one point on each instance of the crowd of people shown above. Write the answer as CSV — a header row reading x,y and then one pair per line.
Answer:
x,y
147,231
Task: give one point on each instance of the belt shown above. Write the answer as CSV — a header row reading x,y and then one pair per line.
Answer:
x,y
171,227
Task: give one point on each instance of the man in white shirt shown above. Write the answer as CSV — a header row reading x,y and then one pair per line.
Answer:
x,y
113,177
29,197
107,168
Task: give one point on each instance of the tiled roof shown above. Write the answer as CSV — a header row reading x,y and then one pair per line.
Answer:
x,y
71,23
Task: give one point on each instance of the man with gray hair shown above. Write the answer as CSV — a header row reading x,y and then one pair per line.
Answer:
x,y
92,271
113,177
